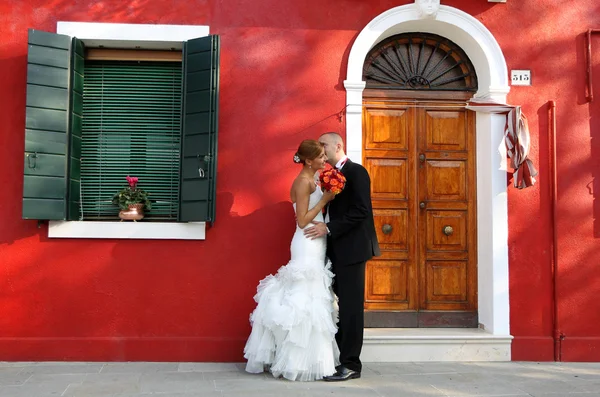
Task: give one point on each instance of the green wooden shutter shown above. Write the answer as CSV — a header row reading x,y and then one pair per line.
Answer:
x,y
131,126
46,126
74,188
200,127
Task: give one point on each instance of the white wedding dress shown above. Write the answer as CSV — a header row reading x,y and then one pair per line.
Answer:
x,y
294,323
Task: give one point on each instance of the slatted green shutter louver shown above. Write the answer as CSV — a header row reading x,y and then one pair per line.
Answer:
x,y
200,129
131,126
47,126
76,109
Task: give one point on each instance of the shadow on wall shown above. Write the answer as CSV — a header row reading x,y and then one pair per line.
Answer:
x,y
112,299
594,109
594,185
12,144
530,242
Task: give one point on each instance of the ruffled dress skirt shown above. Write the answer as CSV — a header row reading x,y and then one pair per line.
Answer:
x,y
294,323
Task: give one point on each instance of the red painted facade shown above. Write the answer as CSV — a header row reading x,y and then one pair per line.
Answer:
x,y
282,69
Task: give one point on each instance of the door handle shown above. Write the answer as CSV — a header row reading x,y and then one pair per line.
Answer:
x,y
448,230
422,205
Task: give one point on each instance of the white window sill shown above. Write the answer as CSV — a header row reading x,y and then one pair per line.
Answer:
x,y
128,230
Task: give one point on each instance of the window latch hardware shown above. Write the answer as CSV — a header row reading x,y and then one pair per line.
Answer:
x,y
204,159
31,157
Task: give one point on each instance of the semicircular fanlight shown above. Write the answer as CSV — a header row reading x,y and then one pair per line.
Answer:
x,y
419,61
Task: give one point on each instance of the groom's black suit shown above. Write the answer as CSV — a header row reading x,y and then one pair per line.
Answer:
x,y
351,242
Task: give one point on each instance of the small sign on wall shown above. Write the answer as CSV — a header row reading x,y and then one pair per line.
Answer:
x,y
520,77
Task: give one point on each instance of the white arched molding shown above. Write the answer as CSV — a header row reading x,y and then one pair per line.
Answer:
x,y
492,215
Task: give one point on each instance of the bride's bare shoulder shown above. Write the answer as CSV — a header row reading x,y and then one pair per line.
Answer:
x,y
301,186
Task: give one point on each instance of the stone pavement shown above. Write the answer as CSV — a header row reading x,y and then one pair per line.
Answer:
x,y
229,379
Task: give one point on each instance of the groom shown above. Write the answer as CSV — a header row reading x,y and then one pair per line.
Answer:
x,y
351,242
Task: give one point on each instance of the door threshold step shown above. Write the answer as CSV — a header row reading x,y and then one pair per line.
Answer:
x,y
434,344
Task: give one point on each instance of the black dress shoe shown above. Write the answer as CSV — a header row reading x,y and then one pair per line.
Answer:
x,y
342,374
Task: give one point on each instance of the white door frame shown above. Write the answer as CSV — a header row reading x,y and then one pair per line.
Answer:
x,y
492,211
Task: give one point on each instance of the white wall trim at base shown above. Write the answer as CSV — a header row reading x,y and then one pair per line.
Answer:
x,y
387,345
492,206
128,230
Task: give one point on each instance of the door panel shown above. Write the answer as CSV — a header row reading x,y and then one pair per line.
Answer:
x,y
388,178
447,231
446,180
421,158
387,128
394,232
445,129
446,284
387,284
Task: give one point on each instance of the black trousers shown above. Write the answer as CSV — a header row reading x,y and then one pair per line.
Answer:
x,y
349,286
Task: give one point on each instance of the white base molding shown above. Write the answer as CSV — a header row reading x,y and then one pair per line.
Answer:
x,y
389,345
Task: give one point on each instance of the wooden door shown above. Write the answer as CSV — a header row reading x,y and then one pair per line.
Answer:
x,y
420,154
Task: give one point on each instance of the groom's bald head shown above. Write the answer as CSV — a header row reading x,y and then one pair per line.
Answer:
x,y
334,146
334,138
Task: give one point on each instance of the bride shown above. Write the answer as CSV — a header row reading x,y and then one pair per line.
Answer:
x,y
293,325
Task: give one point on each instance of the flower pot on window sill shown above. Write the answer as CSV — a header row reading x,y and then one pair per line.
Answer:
x,y
135,212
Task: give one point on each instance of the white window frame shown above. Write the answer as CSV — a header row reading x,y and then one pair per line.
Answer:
x,y
138,36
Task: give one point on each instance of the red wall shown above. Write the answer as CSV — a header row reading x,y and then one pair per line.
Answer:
x,y
282,68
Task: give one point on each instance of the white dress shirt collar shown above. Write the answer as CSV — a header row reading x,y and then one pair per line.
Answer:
x,y
341,163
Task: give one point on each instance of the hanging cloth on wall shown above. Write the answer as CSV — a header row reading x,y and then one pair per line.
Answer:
x,y
516,137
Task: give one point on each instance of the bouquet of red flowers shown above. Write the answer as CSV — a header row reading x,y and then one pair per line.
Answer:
x,y
332,180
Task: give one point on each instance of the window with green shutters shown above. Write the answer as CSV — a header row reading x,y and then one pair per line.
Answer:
x,y
91,123
131,126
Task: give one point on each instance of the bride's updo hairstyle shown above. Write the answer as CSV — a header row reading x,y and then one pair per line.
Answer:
x,y
309,149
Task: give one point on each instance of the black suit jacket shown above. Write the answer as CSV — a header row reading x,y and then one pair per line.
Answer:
x,y
352,236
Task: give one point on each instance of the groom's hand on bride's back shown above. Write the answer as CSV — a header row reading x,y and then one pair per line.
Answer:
x,y
318,230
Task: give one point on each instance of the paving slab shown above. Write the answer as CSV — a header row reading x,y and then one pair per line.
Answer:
x,y
437,379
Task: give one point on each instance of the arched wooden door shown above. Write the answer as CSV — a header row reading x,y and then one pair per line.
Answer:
x,y
419,148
